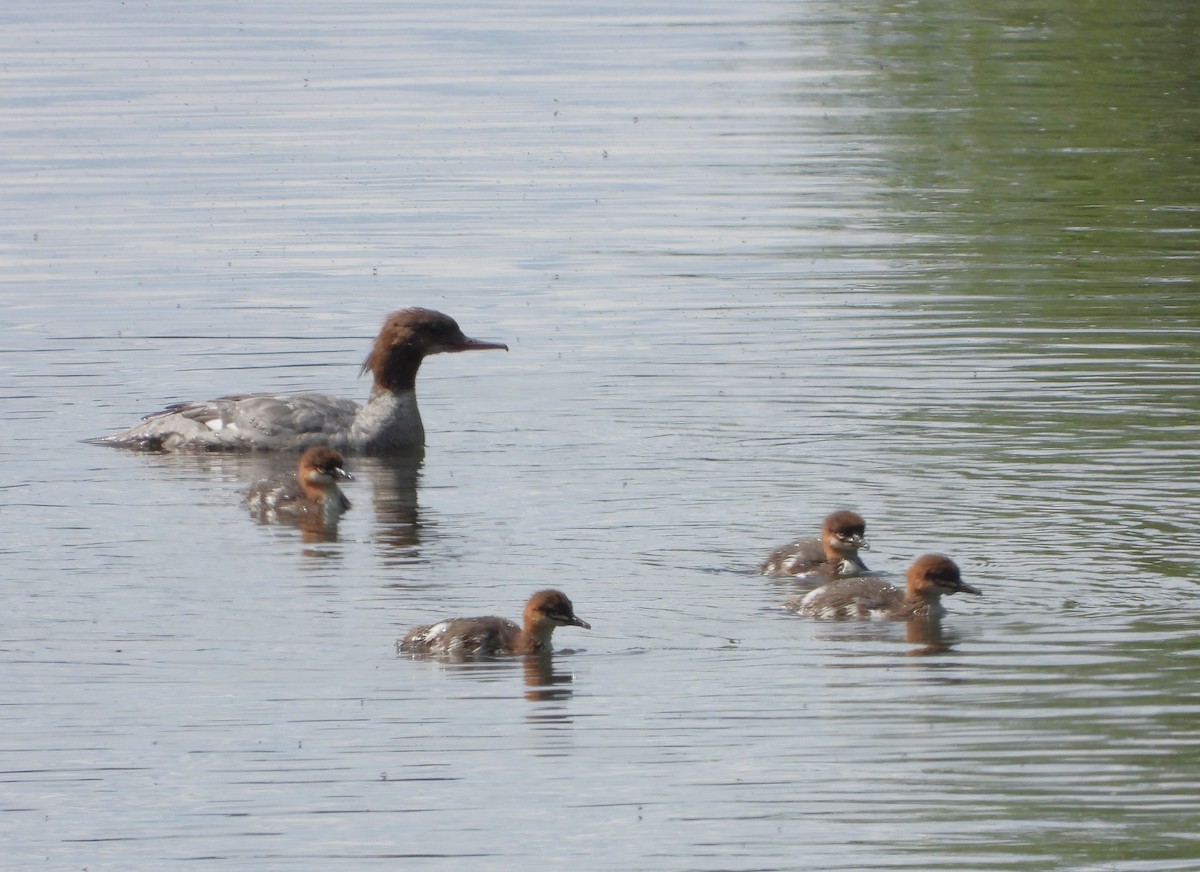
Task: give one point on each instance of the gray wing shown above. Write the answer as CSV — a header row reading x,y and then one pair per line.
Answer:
x,y
847,598
272,493
793,558
240,422
462,637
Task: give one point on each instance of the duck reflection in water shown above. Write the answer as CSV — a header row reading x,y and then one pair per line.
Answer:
x,y
394,482
542,682
928,635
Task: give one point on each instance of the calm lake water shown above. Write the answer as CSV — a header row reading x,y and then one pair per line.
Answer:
x,y
755,261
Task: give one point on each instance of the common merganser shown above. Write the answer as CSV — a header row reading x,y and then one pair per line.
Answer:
x,y
834,555
929,579
311,492
388,423
488,636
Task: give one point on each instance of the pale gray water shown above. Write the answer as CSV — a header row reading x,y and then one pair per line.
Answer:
x,y
755,261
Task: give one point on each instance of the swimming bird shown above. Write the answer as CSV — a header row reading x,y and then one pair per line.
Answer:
x,y
491,635
388,423
931,577
311,492
833,555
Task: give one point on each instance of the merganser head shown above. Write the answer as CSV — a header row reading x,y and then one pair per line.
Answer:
x,y
407,337
323,466
934,575
844,532
553,607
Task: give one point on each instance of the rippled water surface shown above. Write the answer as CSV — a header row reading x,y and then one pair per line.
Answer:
x,y
935,262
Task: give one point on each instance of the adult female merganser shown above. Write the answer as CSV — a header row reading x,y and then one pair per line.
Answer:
x,y
929,579
487,636
311,492
388,423
834,555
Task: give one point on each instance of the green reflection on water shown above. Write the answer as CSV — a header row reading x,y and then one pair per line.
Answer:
x,y
1084,763
1038,183
1048,149
1048,140
1037,164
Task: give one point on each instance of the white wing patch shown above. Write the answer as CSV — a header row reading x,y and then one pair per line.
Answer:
x,y
436,630
439,640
